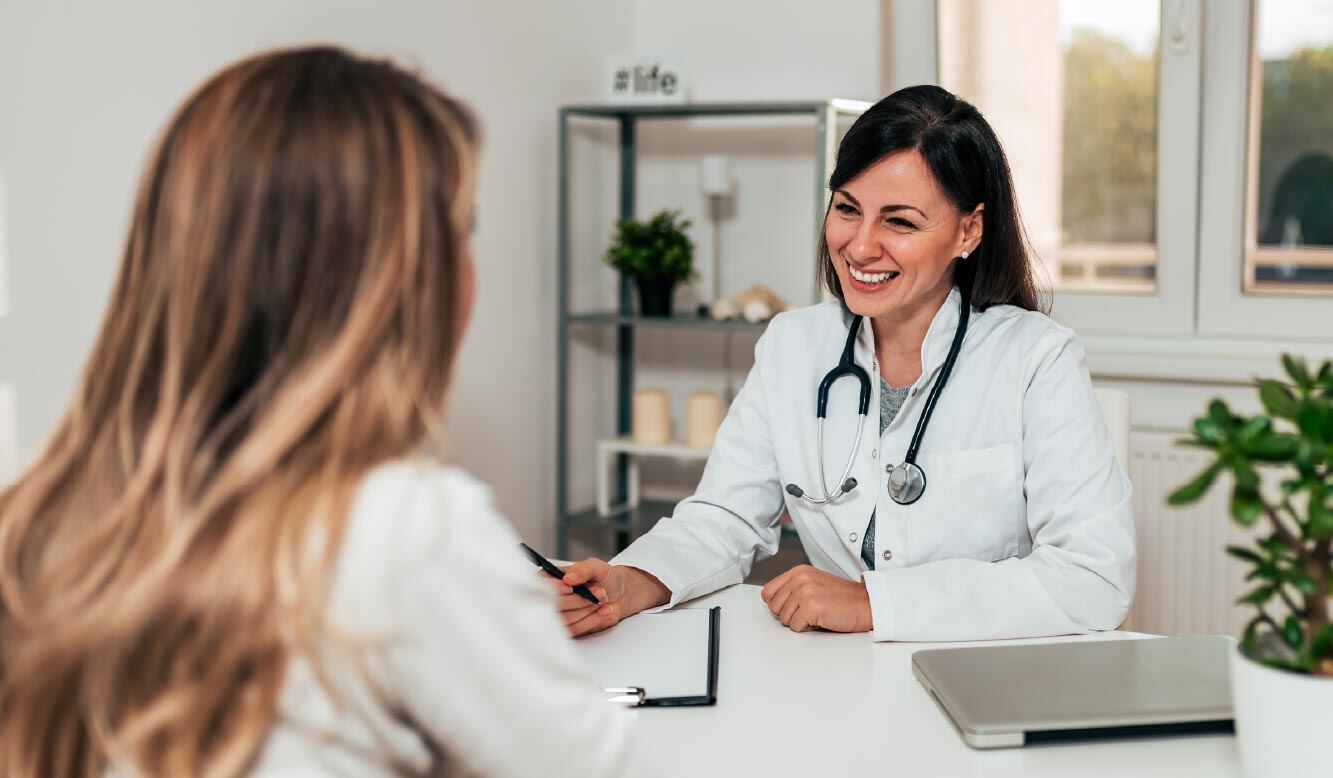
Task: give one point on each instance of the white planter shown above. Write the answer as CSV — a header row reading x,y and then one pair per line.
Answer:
x,y
1284,721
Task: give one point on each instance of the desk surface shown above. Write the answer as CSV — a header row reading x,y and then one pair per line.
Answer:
x,y
828,704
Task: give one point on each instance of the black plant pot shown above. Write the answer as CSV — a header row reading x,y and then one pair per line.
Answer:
x,y
655,296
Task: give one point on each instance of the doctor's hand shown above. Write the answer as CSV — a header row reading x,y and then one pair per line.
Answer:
x,y
622,591
804,598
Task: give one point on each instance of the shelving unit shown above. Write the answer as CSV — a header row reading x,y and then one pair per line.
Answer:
x,y
614,448
623,319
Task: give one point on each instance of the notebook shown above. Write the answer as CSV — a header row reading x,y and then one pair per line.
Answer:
x,y
657,659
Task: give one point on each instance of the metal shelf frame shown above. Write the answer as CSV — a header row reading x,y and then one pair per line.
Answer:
x,y
826,114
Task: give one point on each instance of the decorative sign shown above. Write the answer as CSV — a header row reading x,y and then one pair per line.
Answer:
x,y
644,80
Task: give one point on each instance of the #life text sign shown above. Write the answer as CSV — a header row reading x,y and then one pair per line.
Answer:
x,y
644,80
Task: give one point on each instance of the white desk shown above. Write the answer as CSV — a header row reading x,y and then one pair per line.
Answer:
x,y
828,704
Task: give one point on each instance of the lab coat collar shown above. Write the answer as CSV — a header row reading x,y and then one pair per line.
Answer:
x,y
934,349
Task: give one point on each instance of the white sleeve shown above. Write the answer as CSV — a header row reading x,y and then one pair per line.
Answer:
x,y
482,664
1080,574
714,536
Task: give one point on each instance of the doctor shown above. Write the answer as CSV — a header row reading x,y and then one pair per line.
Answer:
x,y
978,496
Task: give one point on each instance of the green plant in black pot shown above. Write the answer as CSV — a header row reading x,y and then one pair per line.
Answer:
x,y
657,254
1291,564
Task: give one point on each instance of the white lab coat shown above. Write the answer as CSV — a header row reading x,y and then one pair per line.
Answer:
x,y
1025,527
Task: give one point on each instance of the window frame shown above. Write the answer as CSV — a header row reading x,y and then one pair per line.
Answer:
x,y
1199,325
1170,309
1228,192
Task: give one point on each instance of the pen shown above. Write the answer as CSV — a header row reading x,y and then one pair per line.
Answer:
x,y
556,572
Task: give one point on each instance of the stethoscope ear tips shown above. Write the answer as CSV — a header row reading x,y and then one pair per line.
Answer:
x,y
794,490
848,485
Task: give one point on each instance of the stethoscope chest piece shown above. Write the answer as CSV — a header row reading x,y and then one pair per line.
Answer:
x,y
907,482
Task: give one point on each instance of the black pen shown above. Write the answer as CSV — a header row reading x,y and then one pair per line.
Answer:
x,y
556,572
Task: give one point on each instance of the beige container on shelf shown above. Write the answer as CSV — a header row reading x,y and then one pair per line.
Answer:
x,y
652,416
703,415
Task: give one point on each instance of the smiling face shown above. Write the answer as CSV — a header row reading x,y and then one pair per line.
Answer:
x,y
893,235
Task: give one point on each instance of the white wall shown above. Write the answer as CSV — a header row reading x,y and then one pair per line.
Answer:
x,y
738,51
746,50
85,86
8,417
1020,91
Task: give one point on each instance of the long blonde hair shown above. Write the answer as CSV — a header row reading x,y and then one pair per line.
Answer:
x,y
285,318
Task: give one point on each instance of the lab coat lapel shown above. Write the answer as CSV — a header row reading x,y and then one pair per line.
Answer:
x,y
935,348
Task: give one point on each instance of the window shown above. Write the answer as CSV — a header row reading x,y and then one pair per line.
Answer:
x,y
1089,90
1109,145
1264,256
1289,208
1173,158
1092,101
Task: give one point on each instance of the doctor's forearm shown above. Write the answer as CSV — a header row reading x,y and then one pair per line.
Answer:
x,y
965,599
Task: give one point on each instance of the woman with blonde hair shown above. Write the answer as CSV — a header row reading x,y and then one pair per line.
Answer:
x,y
235,556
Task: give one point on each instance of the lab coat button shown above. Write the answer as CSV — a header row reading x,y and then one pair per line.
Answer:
x,y
851,538
888,468
874,453
888,555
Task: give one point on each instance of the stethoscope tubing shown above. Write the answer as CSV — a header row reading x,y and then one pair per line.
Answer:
x,y
931,399
843,486
911,490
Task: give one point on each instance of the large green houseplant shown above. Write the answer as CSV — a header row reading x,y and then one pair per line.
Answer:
x,y
1282,674
1290,563
657,254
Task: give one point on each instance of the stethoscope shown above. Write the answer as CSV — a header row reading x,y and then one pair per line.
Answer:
x,y
907,481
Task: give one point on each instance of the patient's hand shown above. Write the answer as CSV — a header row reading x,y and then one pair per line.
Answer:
x,y
623,591
804,598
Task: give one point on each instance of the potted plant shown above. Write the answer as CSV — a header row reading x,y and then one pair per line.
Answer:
x,y
1282,670
657,254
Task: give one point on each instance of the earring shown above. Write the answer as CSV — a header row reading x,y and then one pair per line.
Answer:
x,y
963,255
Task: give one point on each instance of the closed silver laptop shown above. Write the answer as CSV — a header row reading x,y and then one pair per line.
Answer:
x,y
1005,696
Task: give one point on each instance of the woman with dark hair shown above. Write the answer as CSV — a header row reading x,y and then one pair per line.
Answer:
x,y
983,499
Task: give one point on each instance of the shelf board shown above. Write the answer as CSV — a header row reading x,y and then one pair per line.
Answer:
x,y
643,517
686,321
674,449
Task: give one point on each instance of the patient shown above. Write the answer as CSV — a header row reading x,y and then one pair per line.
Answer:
x,y
235,555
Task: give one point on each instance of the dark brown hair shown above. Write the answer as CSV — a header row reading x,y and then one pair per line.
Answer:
x,y
968,163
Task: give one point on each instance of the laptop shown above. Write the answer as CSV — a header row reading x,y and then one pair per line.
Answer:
x,y
1007,696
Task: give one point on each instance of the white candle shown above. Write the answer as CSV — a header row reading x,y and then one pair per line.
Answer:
x,y
652,416
703,415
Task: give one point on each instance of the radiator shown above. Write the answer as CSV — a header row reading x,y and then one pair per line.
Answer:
x,y
1187,585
